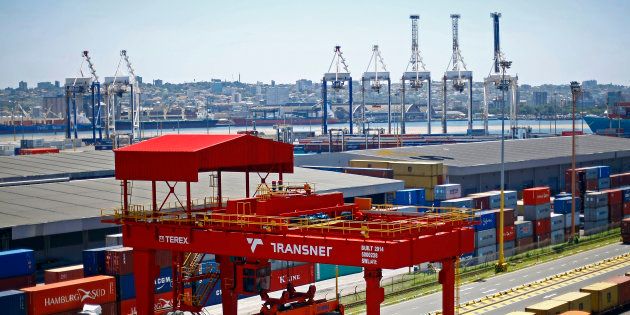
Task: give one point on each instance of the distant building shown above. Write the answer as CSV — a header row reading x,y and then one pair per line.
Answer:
x,y
55,106
613,98
303,85
589,84
139,79
45,85
236,97
277,95
57,84
217,87
273,83
158,82
22,86
540,98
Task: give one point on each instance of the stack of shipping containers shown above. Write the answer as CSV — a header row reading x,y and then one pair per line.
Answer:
x,y
562,205
415,174
537,209
595,212
18,269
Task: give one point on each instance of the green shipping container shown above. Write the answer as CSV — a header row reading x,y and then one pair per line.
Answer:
x,y
325,272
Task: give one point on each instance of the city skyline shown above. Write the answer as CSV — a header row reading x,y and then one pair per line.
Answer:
x,y
286,41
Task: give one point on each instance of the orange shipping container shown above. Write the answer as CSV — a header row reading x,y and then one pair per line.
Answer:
x,y
536,196
363,203
69,295
63,274
623,288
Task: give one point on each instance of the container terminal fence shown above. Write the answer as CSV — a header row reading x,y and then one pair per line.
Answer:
x,y
423,280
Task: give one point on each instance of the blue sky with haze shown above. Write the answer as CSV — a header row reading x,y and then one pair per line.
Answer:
x,y
181,41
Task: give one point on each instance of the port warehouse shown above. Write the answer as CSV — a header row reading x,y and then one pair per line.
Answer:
x,y
476,166
58,217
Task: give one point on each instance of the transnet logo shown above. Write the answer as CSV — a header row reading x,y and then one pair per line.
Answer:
x,y
254,242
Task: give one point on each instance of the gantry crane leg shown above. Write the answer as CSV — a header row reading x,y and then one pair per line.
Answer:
x,y
145,271
374,294
447,279
229,297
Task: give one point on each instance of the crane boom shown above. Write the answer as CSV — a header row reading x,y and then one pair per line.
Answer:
x,y
86,55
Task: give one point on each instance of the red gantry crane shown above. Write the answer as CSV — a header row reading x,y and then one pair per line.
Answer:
x,y
279,221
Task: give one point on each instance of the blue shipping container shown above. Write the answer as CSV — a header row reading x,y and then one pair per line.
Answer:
x,y
591,172
524,229
563,205
487,220
13,302
410,197
447,191
17,262
127,288
603,172
94,260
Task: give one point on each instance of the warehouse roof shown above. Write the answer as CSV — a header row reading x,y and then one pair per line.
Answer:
x,y
67,165
182,157
62,207
483,157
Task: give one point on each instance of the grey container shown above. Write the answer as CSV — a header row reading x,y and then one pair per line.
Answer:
x,y
486,254
596,214
594,199
603,183
509,248
592,227
557,221
537,212
567,220
485,238
557,237
524,229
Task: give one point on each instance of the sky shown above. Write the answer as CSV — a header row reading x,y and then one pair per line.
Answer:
x,y
183,41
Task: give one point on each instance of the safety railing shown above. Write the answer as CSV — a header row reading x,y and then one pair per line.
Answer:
x,y
264,191
384,226
170,208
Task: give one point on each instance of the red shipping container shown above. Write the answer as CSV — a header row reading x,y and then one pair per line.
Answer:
x,y
38,151
623,288
615,213
542,240
63,274
542,227
509,233
626,208
298,275
524,244
69,295
570,133
119,261
615,196
481,202
16,283
163,258
615,180
536,196
163,304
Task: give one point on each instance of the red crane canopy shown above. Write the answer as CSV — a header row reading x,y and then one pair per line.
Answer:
x,y
182,157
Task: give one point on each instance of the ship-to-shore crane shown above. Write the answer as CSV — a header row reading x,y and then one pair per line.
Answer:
x,y
115,87
457,75
77,87
416,76
375,79
338,78
495,77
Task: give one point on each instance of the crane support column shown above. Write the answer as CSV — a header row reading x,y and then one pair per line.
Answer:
x,y
402,109
324,107
389,106
444,106
350,103
229,298
429,108
470,106
374,294
447,279
145,271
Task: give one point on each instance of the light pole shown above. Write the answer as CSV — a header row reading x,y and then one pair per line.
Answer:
x,y
503,86
576,90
